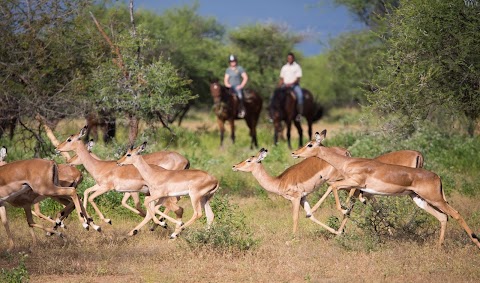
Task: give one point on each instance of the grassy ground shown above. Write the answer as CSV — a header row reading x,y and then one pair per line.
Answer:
x,y
314,256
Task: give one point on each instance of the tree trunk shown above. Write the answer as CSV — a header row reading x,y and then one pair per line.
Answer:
x,y
133,122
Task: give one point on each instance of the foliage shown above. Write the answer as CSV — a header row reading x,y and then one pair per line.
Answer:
x,y
431,67
351,60
369,11
17,274
262,49
229,232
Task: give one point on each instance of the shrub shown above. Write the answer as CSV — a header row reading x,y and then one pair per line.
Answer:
x,y
17,274
228,233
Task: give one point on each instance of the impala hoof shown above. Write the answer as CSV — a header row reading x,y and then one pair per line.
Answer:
x,y
97,228
49,234
173,236
109,221
85,226
308,215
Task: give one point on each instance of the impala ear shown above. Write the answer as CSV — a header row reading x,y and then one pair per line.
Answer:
x,y
83,132
90,145
142,147
262,154
348,154
3,152
320,137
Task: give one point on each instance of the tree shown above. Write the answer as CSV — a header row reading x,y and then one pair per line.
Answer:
x,y
431,68
131,85
40,57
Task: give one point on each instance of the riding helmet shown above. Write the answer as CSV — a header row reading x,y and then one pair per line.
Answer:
x,y
232,58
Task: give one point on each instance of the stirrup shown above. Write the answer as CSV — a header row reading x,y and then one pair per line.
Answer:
x,y
298,118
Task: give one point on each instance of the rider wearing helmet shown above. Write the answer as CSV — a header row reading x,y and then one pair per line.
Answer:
x,y
236,78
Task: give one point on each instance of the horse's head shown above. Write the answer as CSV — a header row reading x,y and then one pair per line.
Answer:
x,y
216,91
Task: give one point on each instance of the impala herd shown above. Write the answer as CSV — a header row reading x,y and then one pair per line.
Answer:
x,y
165,176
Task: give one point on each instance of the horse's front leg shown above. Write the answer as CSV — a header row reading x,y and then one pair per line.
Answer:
x,y
232,127
221,126
289,126
300,133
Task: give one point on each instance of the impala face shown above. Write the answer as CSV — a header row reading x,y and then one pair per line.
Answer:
x,y
128,158
248,165
309,150
70,144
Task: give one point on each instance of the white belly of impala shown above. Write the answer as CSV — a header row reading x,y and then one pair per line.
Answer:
x,y
179,194
376,192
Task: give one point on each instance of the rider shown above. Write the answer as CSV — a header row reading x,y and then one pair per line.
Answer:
x,y
290,75
236,78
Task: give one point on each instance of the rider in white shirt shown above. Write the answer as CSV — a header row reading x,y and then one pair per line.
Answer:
x,y
290,75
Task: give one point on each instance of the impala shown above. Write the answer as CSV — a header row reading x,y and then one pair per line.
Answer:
x,y
26,182
409,158
294,184
108,176
374,177
197,184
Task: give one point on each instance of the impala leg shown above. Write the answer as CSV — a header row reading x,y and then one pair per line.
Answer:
x,y
136,200
197,213
87,192
38,213
445,207
306,207
91,198
150,204
295,212
437,214
317,205
3,217
208,211
32,224
137,228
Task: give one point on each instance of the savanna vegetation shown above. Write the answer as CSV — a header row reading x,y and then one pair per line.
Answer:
x,y
409,80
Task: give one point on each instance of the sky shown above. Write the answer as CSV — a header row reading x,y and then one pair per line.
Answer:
x,y
320,23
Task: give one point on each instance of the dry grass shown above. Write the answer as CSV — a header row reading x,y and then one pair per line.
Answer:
x,y
315,256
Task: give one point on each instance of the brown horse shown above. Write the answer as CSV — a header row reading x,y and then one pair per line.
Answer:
x,y
225,105
283,108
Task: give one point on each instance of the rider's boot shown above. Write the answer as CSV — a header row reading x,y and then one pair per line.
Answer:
x,y
299,112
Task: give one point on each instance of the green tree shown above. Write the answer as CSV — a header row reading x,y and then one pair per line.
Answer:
x,y
40,57
431,68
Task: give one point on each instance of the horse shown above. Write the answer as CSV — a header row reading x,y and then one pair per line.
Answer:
x,y
283,108
226,104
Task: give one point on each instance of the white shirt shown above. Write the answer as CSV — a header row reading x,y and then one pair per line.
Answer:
x,y
290,72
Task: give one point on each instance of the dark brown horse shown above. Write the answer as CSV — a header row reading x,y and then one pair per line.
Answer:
x,y
225,105
283,108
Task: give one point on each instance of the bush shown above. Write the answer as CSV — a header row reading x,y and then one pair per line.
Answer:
x,y
228,232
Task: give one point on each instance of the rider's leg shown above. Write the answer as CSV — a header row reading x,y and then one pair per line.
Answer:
x,y
299,94
241,110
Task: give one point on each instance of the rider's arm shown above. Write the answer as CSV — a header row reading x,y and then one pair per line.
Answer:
x,y
245,79
225,81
